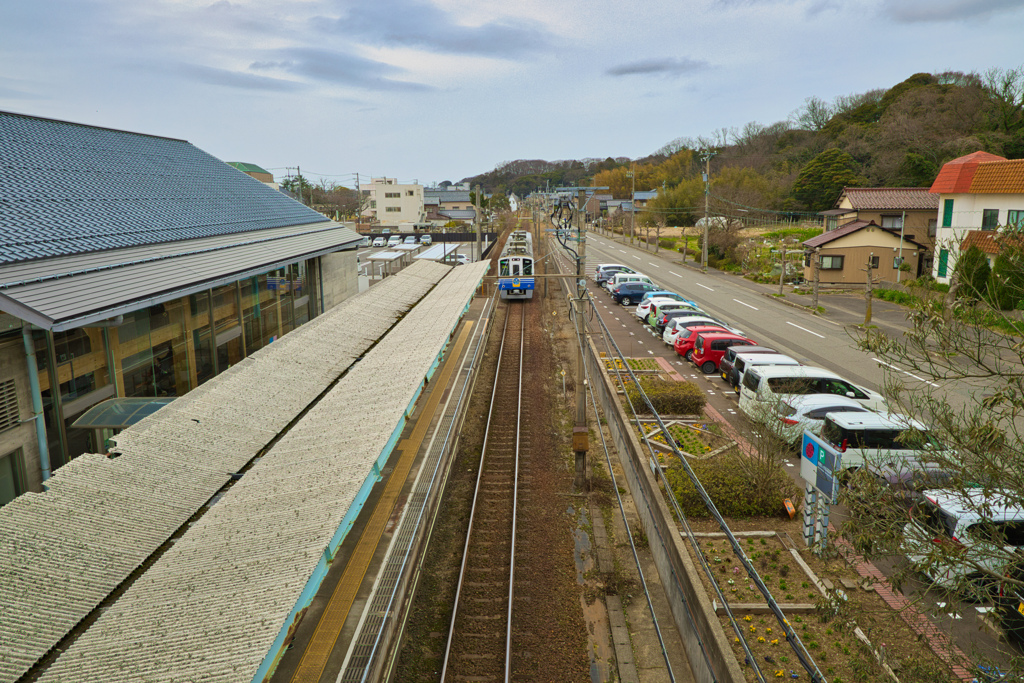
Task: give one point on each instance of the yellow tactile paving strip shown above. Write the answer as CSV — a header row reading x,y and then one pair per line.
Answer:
x,y
325,636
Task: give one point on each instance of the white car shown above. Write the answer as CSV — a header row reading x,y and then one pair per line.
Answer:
x,y
411,239
643,309
797,413
677,325
964,539
394,240
763,387
426,240
878,439
379,242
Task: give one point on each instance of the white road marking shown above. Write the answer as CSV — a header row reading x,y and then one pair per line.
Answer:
x,y
623,251
789,464
747,305
711,290
650,352
805,330
636,257
631,333
984,610
638,341
671,272
652,265
890,365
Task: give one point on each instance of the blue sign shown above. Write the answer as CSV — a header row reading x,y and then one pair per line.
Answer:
x,y
516,283
820,464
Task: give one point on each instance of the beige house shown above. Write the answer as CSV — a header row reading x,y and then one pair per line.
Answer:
x,y
912,209
846,251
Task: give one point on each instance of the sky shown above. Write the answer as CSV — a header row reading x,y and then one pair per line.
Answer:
x,y
427,91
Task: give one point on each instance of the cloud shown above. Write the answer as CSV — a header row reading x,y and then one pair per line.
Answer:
x,y
412,23
238,79
668,66
926,11
338,68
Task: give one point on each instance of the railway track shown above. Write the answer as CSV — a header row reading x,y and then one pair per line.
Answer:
x,y
480,640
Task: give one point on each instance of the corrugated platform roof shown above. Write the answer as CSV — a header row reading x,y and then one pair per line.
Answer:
x,y
211,607
64,551
69,188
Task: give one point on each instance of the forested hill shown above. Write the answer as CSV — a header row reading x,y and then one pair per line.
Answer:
x,y
898,137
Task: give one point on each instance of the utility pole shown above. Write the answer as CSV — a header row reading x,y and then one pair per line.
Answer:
x,y
817,275
632,204
782,275
868,292
479,221
707,196
298,169
580,432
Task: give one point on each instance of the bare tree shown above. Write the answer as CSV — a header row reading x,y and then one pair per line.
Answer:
x,y
813,115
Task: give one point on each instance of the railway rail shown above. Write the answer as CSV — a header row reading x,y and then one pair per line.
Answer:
x,y
480,640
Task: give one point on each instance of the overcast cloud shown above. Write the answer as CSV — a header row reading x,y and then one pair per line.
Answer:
x,y
431,90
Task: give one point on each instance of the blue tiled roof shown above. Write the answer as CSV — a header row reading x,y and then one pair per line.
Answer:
x,y
68,189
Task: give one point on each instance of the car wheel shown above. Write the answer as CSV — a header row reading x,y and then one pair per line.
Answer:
x,y
626,301
708,367
689,355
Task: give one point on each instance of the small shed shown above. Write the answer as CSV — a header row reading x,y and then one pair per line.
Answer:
x,y
846,251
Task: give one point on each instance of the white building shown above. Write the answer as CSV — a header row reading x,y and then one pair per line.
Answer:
x,y
391,204
977,192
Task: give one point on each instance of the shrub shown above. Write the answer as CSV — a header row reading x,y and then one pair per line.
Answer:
x,y
896,296
1006,284
667,243
973,270
733,491
667,397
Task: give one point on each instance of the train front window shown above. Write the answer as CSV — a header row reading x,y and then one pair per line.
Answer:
x,y
515,269
504,267
528,267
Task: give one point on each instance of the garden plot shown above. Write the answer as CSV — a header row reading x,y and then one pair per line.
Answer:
x,y
849,631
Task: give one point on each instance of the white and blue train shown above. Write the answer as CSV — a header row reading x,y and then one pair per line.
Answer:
x,y
515,266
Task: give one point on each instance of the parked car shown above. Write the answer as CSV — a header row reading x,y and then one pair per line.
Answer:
x,y
628,292
965,538
394,240
725,368
878,438
762,388
665,294
743,362
379,242
643,308
365,242
426,240
663,320
410,239
623,277
662,309
1010,600
797,413
906,481
676,325
606,271
688,337
710,347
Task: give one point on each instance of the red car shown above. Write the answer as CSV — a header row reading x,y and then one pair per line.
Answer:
x,y
710,347
688,337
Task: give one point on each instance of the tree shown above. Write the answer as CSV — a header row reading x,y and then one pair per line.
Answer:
x,y
973,272
824,177
813,115
965,382
498,202
1006,284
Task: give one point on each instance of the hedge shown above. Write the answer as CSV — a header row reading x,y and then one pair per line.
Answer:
x,y
733,490
667,397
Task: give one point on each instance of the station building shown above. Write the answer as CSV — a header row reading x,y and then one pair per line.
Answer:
x,y
133,265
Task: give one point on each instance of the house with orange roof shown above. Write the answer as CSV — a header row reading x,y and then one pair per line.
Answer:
x,y
977,192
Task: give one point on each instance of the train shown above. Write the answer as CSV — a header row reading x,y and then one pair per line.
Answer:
x,y
515,266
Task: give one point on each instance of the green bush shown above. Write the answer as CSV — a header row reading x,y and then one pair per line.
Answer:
x,y
732,489
974,272
1006,285
667,243
801,234
896,296
667,397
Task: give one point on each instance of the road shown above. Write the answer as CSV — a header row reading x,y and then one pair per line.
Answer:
x,y
827,342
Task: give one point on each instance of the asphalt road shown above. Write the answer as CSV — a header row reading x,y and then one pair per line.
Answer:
x,y
826,341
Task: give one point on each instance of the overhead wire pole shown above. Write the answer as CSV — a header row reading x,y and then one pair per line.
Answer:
x,y
580,431
706,156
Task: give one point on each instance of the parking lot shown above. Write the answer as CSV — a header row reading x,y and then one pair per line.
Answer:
x,y
818,341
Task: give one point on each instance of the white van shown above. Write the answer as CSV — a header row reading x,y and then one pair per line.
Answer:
x,y
621,278
762,387
744,361
878,438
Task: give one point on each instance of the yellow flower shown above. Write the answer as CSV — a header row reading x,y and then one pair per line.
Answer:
x,y
760,639
775,642
778,674
748,618
769,629
753,629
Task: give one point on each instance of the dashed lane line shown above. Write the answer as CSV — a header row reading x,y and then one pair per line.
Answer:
x,y
805,330
905,372
708,288
745,304
672,272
